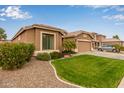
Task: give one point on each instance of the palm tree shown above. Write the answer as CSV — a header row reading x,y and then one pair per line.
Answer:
x,y
3,35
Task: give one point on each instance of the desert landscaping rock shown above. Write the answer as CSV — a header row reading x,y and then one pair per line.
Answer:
x,y
35,74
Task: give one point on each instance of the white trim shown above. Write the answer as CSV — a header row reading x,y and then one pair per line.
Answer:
x,y
91,46
63,80
41,40
84,40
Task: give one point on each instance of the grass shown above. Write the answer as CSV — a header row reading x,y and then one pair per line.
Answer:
x,y
90,71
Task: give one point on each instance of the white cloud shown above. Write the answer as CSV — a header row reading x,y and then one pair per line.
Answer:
x,y
120,9
14,12
117,17
106,10
107,7
98,6
2,19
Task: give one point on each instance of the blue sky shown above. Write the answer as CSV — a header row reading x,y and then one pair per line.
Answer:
x,y
107,20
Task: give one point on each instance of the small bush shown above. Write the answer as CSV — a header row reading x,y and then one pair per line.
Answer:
x,y
15,55
55,55
43,56
119,47
68,52
122,48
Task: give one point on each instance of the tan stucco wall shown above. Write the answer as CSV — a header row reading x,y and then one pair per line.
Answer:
x,y
69,38
100,37
84,36
112,43
33,36
25,37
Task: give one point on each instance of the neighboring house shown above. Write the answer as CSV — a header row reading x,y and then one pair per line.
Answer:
x,y
112,41
44,37
83,40
47,38
98,38
3,41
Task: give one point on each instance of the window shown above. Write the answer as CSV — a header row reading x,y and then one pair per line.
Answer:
x,y
47,41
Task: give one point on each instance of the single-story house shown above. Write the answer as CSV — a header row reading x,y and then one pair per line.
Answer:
x,y
44,37
111,41
3,41
48,38
83,40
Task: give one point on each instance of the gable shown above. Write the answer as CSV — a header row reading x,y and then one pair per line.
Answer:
x,y
84,36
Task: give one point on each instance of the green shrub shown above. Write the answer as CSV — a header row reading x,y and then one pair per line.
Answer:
x,y
117,46
43,56
30,50
69,45
122,48
68,52
55,55
15,55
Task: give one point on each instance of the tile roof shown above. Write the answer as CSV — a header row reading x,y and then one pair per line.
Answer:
x,y
42,26
76,33
110,40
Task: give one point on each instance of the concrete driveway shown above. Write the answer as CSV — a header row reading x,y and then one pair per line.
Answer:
x,y
35,74
106,54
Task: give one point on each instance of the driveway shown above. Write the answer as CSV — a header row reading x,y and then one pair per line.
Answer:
x,y
106,54
35,74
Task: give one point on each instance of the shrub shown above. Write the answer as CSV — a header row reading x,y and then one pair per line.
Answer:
x,y
68,52
30,50
15,55
43,56
55,55
122,48
119,47
69,45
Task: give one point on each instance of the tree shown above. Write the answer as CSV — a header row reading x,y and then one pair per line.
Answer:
x,y
3,35
116,36
69,45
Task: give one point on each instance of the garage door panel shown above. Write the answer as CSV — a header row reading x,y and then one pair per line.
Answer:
x,y
84,46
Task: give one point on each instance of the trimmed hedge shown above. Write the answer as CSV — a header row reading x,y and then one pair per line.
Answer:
x,y
56,55
43,56
15,55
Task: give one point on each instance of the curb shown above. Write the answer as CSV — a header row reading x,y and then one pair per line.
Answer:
x,y
121,84
61,79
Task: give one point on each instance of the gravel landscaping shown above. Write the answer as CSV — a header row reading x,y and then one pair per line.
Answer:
x,y
35,74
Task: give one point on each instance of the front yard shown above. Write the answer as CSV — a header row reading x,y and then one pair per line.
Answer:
x,y
91,71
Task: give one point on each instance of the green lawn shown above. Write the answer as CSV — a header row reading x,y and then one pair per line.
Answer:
x,y
90,71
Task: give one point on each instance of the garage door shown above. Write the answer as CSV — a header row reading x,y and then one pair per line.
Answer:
x,y
84,46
